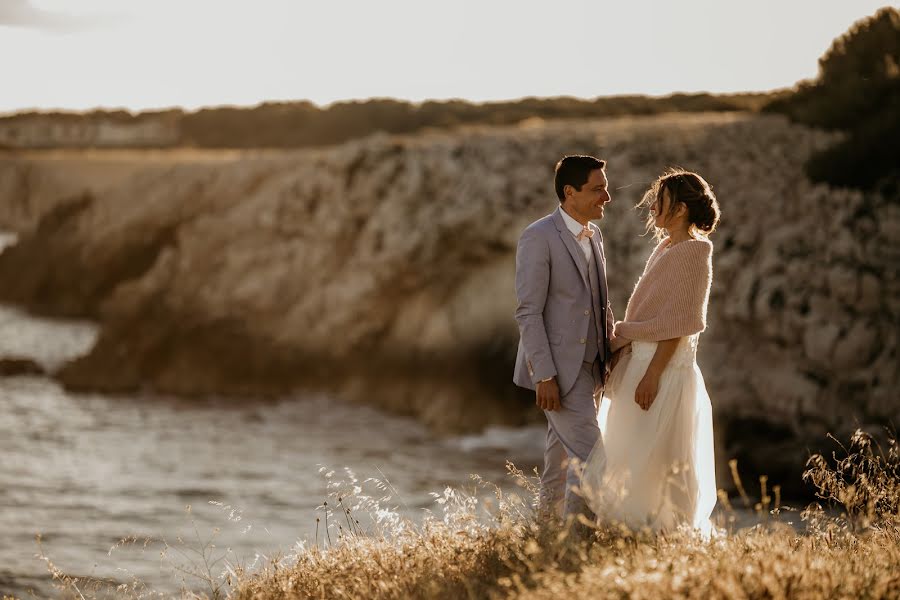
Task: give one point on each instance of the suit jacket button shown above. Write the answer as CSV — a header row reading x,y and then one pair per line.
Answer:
x,y
583,340
587,312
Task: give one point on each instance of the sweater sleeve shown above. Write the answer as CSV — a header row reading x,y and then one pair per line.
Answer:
x,y
676,303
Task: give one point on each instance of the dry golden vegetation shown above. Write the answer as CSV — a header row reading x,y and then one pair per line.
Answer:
x,y
478,545
302,124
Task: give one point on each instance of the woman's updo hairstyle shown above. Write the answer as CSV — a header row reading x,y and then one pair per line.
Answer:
x,y
691,190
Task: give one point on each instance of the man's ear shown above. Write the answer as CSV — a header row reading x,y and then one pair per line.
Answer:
x,y
568,190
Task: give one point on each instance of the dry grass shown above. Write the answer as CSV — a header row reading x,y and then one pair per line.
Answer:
x,y
852,553
494,547
760,563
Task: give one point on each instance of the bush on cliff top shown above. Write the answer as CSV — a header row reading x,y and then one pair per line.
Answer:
x,y
857,90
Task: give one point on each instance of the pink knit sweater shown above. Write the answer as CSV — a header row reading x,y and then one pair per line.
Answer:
x,y
669,300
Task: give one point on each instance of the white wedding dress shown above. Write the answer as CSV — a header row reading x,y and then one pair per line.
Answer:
x,y
659,467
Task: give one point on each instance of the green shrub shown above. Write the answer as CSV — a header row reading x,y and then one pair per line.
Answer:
x,y
857,90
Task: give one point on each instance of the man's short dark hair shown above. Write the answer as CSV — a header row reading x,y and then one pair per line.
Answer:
x,y
574,170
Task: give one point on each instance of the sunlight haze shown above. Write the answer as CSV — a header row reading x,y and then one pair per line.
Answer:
x,y
142,54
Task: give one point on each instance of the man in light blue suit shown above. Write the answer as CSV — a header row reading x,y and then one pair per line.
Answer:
x,y
565,324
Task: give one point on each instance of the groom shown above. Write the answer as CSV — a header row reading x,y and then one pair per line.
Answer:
x,y
565,323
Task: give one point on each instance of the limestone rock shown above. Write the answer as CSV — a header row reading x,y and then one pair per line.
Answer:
x,y
858,347
843,284
12,366
819,342
382,269
869,293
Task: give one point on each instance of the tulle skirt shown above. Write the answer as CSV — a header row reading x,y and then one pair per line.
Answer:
x,y
656,468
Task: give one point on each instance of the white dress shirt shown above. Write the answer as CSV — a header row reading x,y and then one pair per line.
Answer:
x,y
575,227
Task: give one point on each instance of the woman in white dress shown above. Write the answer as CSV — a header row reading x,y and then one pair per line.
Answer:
x,y
655,417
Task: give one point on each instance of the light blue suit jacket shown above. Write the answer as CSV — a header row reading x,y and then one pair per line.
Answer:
x,y
554,296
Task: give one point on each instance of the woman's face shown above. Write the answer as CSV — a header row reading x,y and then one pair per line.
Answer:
x,y
660,209
663,215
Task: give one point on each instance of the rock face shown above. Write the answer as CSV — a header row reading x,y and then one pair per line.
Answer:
x,y
13,366
383,269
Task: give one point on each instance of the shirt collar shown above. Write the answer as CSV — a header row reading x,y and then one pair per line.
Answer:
x,y
573,225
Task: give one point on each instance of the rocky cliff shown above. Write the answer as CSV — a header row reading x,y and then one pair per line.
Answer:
x,y
383,270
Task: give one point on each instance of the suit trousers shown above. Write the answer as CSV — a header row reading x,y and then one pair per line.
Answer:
x,y
572,433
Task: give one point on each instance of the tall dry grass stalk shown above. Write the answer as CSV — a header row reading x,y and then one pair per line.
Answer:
x,y
482,542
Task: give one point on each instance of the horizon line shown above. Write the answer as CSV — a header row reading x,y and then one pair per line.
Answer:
x,y
326,105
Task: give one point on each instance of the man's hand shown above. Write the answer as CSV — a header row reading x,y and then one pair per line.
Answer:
x,y
548,395
646,390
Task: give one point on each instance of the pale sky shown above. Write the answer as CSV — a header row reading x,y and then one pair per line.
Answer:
x,y
139,54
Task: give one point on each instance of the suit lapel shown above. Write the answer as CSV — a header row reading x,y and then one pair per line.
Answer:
x,y
571,245
600,259
598,254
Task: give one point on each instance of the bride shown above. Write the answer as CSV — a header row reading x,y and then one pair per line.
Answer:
x,y
655,417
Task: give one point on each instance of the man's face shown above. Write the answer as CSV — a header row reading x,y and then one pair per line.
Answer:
x,y
587,203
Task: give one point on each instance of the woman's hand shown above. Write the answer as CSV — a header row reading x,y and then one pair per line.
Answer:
x,y
645,393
